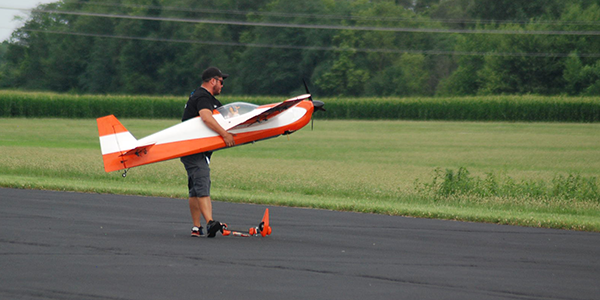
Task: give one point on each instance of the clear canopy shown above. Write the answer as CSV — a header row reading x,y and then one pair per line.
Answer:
x,y
235,109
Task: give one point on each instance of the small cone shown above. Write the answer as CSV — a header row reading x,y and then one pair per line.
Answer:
x,y
265,221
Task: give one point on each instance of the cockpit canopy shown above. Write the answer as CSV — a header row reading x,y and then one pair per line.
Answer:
x,y
235,109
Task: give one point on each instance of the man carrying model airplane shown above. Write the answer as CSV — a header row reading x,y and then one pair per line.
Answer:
x,y
202,131
201,103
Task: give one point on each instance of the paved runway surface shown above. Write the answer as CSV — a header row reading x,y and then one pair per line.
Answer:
x,y
60,245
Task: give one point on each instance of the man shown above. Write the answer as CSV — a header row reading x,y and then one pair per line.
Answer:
x,y
201,103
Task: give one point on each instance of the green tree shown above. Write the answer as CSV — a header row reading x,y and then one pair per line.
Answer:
x,y
582,79
517,64
121,55
100,69
503,10
343,78
407,76
280,68
27,55
414,75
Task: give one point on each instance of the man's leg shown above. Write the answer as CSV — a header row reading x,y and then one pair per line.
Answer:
x,y
200,207
206,208
195,211
199,184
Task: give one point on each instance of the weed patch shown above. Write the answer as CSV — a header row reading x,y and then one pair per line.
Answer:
x,y
563,191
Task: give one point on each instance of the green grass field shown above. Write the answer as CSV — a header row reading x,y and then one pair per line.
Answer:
x,y
386,167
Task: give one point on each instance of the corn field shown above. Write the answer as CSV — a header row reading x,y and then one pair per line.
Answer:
x,y
529,108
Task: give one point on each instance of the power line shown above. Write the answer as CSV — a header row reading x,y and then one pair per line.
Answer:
x,y
319,48
324,27
339,17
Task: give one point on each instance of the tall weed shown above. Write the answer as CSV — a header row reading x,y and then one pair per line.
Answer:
x,y
451,183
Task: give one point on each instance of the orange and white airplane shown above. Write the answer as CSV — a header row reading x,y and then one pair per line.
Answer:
x,y
249,122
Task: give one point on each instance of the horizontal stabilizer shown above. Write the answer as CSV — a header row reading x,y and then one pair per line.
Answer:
x,y
138,151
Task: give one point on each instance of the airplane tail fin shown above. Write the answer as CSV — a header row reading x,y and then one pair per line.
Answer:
x,y
115,140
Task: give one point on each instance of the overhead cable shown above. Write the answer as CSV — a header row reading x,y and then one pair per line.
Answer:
x,y
327,27
319,48
335,17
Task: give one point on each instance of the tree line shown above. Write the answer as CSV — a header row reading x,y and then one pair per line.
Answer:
x,y
340,47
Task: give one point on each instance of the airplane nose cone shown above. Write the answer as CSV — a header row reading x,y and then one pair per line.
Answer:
x,y
318,105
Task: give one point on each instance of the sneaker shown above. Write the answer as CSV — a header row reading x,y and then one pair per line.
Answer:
x,y
197,231
213,227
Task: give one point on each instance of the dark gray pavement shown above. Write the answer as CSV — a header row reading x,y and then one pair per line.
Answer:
x,y
61,245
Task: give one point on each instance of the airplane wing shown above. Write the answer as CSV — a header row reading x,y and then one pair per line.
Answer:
x,y
269,113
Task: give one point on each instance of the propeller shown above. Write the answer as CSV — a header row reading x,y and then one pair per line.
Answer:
x,y
318,105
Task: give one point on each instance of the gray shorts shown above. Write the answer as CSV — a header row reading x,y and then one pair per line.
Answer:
x,y
198,170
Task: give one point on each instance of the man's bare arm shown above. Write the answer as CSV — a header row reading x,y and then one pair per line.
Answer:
x,y
208,119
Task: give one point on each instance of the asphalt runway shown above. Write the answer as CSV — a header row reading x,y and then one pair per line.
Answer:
x,y
62,245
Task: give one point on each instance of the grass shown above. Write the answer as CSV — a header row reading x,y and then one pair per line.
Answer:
x,y
387,167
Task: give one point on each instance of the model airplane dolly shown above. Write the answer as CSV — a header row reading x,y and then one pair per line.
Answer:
x,y
248,122
263,229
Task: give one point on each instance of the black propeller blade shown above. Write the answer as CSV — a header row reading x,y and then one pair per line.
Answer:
x,y
318,105
307,91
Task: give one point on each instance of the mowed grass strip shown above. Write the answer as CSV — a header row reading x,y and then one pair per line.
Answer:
x,y
364,166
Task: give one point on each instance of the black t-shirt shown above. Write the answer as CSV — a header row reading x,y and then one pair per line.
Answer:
x,y
199,99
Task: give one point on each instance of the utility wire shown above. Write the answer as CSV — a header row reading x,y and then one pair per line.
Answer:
x,y
318,48
325,27
337,17
375,50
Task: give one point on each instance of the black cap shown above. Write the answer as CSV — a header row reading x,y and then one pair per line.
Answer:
x,y
213,72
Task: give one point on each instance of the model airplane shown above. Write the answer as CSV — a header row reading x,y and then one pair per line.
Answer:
x,y
249,122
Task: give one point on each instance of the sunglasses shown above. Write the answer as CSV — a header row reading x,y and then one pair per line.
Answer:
x,y
219,80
